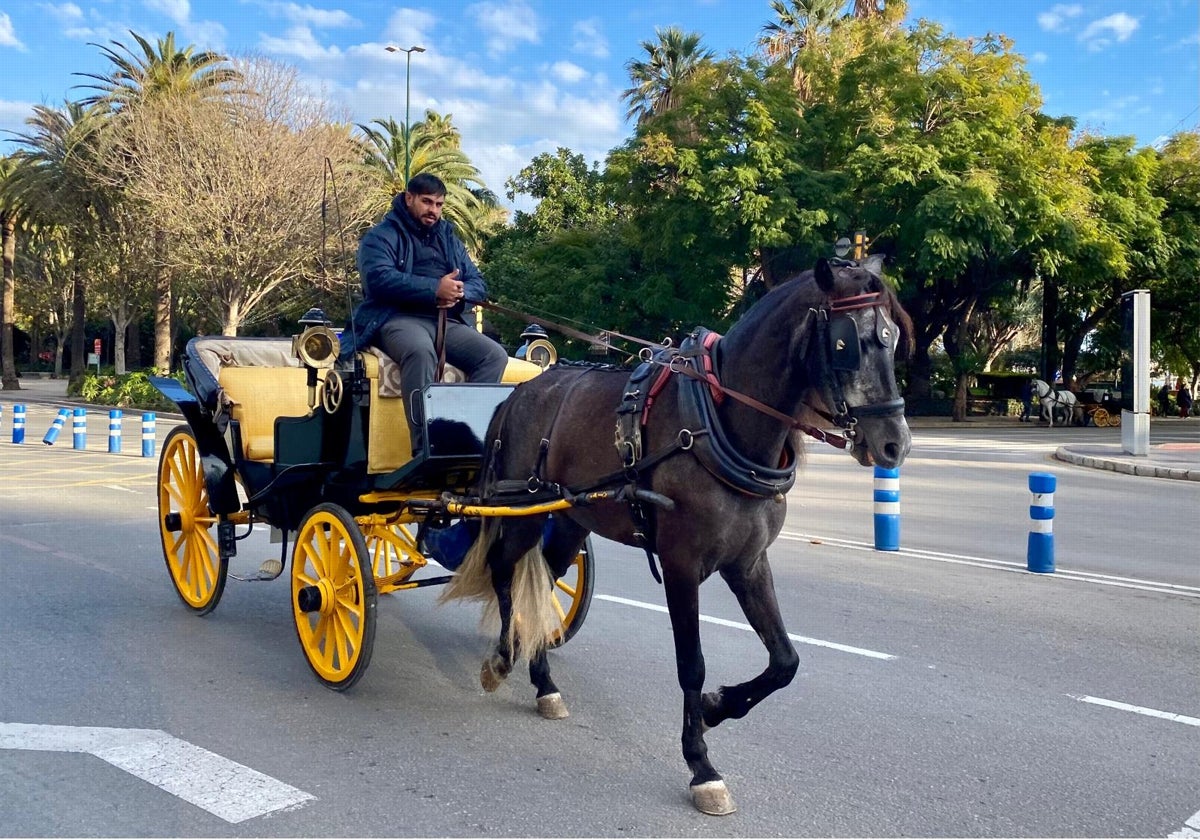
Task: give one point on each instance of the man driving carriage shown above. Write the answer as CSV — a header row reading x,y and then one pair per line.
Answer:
x,y
413,267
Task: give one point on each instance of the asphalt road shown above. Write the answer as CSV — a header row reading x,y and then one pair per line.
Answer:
x,y
943,690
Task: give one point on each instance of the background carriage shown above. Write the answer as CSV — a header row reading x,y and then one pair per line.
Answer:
x,y
280,432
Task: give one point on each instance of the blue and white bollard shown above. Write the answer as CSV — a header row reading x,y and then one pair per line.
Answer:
x,y
1039,557
148,435
79,429
56,426
887,509
114,431
18,430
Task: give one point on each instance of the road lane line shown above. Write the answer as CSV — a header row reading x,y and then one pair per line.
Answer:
x,y
224,788
1096,578
805,640
1138,710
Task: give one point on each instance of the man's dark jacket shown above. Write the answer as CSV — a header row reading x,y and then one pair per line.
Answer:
x,y
385,258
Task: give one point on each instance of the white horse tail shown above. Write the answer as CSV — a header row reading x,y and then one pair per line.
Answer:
x,y
535,622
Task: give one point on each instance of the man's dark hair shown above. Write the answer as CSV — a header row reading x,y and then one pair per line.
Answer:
x,y
426,184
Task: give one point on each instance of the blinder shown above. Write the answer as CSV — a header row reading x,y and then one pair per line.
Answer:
x,y
844,352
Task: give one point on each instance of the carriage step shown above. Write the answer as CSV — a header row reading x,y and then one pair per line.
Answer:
x,y
269,570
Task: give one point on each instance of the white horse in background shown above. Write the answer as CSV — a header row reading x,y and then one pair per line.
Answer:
x,y
1054,401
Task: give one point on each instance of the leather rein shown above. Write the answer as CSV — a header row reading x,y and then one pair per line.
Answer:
x,y
844,417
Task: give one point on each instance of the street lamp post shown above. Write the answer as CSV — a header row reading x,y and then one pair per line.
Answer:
x,y
407,124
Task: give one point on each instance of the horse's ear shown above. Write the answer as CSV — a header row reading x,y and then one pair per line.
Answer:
x,y
824,275
874,264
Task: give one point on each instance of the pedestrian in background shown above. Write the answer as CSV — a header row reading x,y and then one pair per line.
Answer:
x,y
1026,400
1183,399
1164,399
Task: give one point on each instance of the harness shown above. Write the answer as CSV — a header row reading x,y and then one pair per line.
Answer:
x,y
700,392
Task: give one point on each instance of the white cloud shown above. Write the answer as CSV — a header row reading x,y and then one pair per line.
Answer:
x,y
309,16
1056,19
8,38
1039,58
567,72
12,117
298,41
407,27
1100,33
588,39
506,24
177,10
64,13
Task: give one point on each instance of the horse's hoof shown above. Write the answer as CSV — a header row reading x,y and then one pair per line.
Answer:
x,y
552,707
489,677
713,798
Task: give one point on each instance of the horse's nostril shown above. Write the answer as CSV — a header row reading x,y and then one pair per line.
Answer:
x,y
892,451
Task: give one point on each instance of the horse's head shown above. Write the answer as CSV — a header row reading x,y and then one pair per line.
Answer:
x,y
859,326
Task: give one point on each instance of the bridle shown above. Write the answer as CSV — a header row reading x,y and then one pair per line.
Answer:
x,y
837,334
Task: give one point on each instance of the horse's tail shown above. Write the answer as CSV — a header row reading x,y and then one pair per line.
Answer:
x,y
535,623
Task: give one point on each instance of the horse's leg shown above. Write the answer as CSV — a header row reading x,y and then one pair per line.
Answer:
x,y
709,792
755,590
497,666
560,550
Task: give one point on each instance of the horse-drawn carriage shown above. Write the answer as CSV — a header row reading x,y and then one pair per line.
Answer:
x,y
280,433
706,448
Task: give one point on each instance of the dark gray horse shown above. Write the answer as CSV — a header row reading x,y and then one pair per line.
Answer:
x,y
705,490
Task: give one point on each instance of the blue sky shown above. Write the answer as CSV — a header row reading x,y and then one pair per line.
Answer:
x,y
526,76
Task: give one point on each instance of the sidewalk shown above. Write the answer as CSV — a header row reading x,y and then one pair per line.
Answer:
x,y
1167,460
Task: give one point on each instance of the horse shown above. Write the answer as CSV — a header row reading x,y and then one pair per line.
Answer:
x,y
1054,400
719,444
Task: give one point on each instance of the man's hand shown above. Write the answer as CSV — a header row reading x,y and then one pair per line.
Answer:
x,y
449,290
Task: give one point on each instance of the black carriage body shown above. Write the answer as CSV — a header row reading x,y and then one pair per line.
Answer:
x,y
320,456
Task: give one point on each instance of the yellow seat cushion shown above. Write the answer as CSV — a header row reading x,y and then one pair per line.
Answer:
x,y
258,395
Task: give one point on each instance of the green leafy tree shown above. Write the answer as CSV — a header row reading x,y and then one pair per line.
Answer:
x,y
569,194
9,215
51,185
1175,302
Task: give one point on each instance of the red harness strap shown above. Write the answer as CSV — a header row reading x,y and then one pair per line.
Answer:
x,y
664,374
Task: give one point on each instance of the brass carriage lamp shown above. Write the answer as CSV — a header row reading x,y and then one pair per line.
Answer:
x,y
317,348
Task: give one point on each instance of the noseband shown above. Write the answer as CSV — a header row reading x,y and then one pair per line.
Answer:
x,y
837,333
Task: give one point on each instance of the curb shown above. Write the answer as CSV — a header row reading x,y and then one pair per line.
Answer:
x,y
1144,470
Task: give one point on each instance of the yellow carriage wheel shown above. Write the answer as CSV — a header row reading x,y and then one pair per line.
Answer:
x,y
572,593
1100,417
392,547
333,596
187,526
1114,419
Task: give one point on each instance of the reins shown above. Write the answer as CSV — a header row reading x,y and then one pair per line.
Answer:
x,y
832,438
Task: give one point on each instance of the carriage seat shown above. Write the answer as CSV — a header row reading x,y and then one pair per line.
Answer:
x,y
254,381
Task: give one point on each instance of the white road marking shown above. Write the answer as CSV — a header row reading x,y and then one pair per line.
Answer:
x,y
119,487
1139,710
1007,566
873,654
224,788
1191,828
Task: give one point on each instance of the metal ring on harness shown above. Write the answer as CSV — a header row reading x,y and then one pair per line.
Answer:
x,y
686,439
645,354
677,364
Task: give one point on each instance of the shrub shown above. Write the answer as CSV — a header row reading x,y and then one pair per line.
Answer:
x,y
129,390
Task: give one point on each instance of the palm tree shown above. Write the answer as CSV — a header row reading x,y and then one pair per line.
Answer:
x,y
435,148
51,185
669,62
162,71
800,24
8,248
